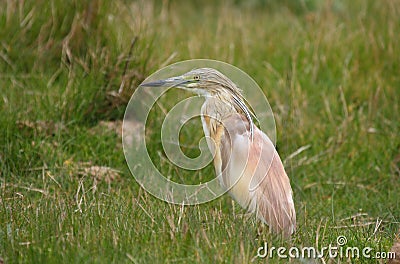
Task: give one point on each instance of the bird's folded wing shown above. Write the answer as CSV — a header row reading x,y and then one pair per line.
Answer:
x,y
255,175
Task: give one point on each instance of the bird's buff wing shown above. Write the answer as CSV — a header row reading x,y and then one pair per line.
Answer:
x,y
254,173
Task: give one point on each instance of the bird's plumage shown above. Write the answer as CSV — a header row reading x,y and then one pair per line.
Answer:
x,y
245,160
252,171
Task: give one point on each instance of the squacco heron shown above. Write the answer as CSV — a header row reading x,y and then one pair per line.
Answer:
x,y
245,159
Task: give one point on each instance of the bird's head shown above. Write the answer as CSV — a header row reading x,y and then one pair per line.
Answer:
x,y
203,81
209,83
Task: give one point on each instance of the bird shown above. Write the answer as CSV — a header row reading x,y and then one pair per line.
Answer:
x,y
245,159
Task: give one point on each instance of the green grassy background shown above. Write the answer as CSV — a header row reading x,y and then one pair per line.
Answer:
x,y
330,70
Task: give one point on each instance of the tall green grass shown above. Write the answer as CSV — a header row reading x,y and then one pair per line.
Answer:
x,y
330,70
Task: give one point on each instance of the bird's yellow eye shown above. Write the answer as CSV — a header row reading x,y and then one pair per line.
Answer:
x,y
196,78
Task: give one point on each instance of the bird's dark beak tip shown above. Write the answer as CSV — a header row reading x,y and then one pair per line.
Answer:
x,y
154,84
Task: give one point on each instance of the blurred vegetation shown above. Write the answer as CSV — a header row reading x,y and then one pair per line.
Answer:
x,y
330,70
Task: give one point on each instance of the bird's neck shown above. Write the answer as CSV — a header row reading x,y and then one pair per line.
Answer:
x,y
218,108
213,112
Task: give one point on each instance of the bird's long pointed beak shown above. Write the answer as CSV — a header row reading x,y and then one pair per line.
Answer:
x,y
170,82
